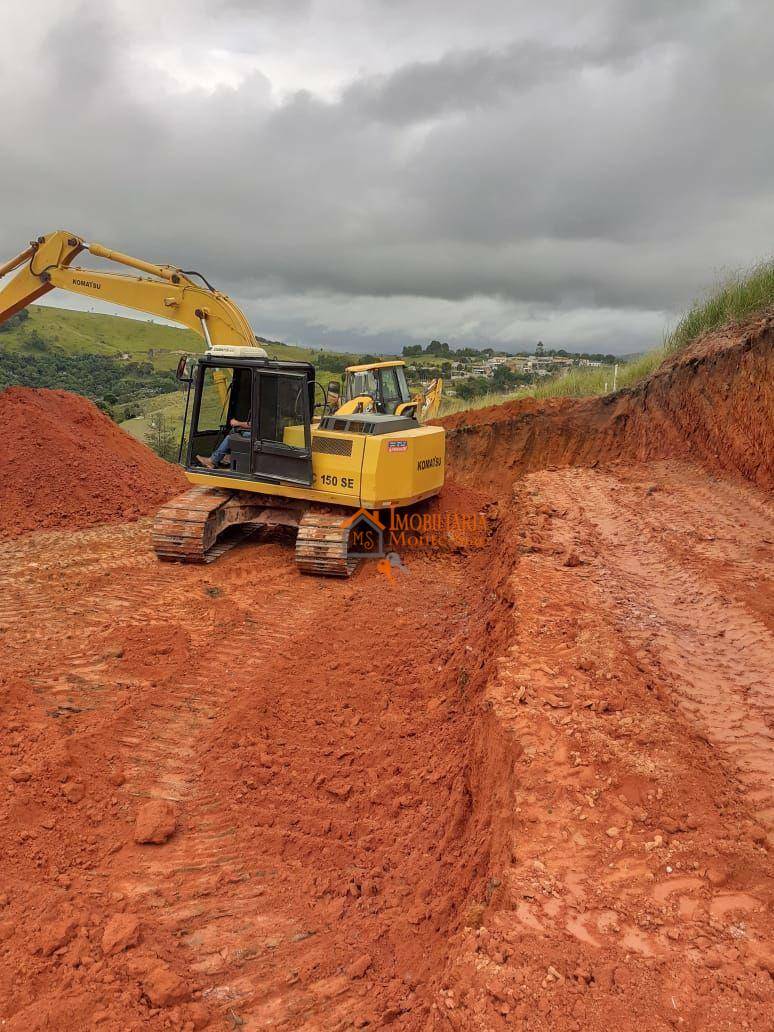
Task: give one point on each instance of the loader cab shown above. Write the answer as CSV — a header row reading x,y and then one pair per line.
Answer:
x,y
383,382
276,399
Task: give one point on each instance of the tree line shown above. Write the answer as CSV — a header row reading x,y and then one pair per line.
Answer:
x,y
105,380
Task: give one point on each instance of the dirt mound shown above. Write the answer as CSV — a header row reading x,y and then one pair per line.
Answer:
x,y
63,463
712,403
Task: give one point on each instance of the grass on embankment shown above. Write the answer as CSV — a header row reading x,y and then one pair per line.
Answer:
x,y
576,383
739,297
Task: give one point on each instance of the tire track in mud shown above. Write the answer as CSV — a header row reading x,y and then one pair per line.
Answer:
x,y
122,592
732,546
716,654
270,856
627,887
269,942
56,594
205,887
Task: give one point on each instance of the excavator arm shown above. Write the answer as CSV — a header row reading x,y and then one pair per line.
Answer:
x,y
164,291
430,402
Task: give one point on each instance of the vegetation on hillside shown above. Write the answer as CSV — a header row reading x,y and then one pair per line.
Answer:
x,y
575,383
76,333
163,436
740,296
15,321
441,350
108,382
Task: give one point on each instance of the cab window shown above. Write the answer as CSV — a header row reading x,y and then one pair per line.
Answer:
x,y
403,383
214,403
361,383
391,395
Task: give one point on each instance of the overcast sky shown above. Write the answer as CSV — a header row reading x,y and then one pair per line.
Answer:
x,y
366,173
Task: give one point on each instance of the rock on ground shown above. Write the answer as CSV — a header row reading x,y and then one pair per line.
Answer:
x,y
156,822
164,988
122,932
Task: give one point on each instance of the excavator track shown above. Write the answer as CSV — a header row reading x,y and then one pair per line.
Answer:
x,y
322,546
188,528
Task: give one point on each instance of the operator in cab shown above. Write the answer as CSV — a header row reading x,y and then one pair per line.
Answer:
x,y
242,427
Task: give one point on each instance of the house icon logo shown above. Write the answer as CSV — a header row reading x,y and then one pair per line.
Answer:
x,y
366,535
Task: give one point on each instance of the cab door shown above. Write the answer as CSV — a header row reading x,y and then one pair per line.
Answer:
x,y
281,434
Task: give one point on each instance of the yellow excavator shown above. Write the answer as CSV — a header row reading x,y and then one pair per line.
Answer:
x,y
261,442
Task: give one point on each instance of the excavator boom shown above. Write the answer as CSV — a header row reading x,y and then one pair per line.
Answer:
x,y
166,292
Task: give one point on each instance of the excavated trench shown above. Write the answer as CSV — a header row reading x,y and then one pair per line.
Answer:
x,y
711,405
711,408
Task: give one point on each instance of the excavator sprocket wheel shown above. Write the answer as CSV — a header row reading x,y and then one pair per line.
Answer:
x,y
322,546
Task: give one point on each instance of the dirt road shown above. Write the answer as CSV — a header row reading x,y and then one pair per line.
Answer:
x,y
687,563
528,786
296,726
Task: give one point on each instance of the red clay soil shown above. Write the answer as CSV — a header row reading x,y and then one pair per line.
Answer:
x,y
524,784
713,403
63,463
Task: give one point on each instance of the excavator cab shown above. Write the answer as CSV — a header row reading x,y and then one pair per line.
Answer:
x,y
275,399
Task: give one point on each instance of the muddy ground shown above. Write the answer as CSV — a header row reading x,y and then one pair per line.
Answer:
x,y
524,784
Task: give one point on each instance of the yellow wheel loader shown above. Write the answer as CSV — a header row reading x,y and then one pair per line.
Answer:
x,y
382,387
260,442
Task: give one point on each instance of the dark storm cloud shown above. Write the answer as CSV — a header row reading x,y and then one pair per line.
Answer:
x,y
391,168
459,82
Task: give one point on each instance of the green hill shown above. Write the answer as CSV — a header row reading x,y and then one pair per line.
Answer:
x,y
125,365
80,333
90,333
